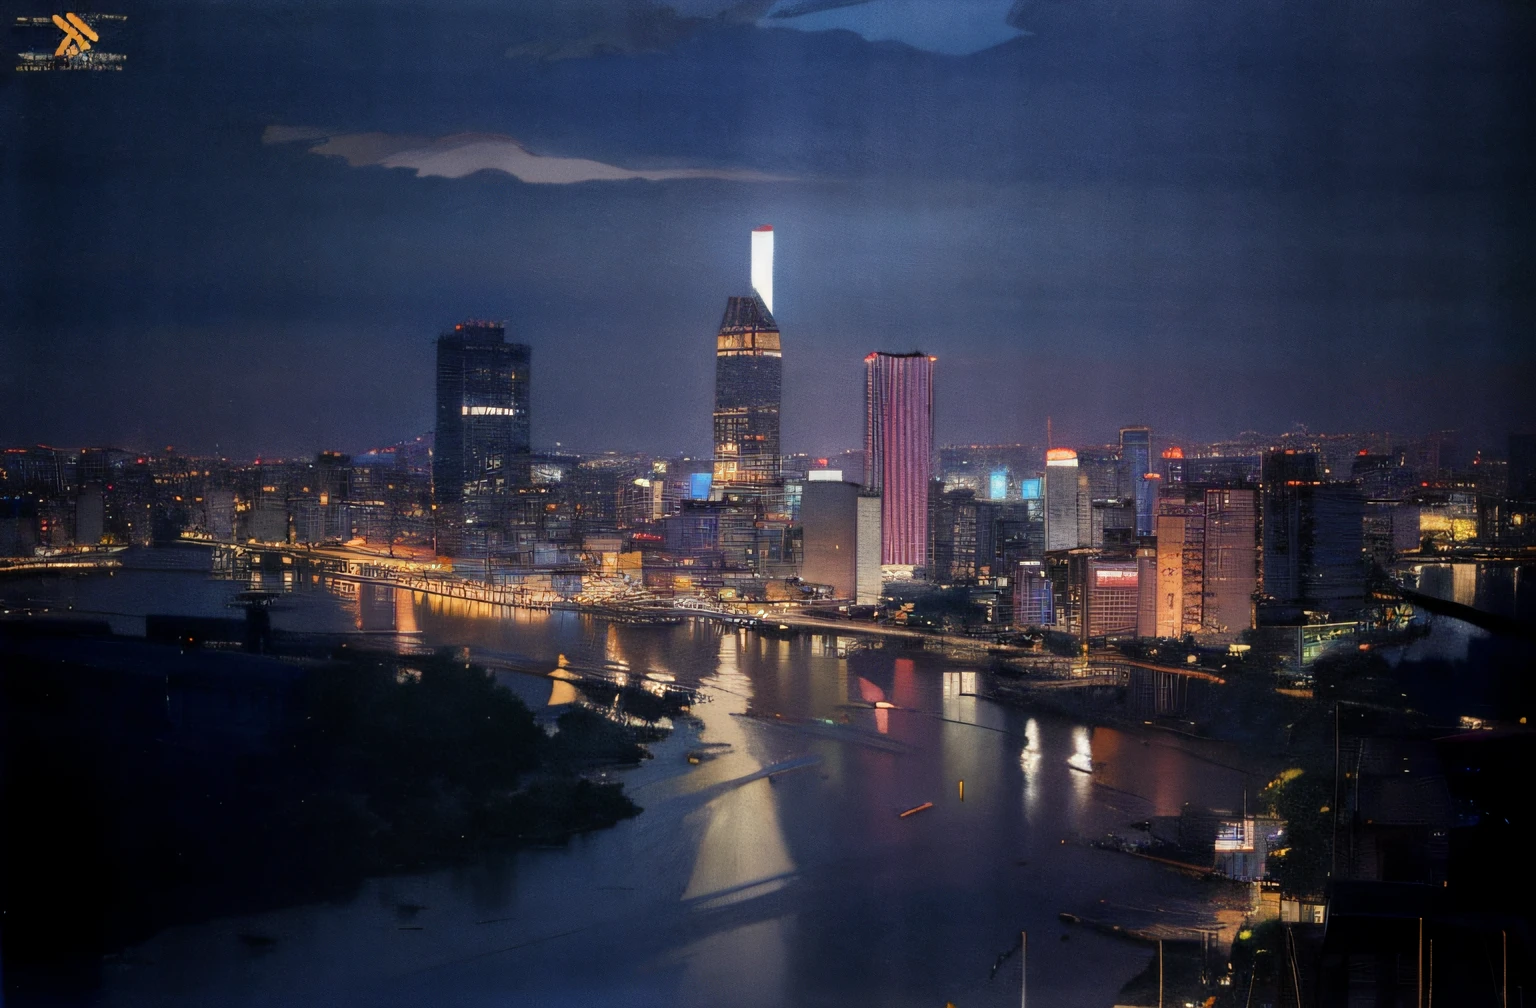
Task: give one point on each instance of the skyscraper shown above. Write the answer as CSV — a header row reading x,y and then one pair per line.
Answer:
x,y
1061,497
898,449
482,449
1313,536
749,369
1230,568
1136,457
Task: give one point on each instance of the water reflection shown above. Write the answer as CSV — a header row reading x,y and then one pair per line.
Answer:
x,y
1503,588
1081,762
742,854
809,889
1029,762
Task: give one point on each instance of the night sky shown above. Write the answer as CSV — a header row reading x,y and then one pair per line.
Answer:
x,y
1204,217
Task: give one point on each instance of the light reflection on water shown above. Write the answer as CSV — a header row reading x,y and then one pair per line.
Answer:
x,y
806,889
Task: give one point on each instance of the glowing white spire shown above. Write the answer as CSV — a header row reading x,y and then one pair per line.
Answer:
x,y
762,264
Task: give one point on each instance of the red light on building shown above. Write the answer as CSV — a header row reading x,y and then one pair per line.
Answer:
x,y
1059,454
1173,452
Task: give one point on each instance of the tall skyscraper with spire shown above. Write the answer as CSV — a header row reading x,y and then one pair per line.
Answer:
x,y
749,370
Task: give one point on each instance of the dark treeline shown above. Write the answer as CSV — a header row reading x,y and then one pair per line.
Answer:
x,y
140,800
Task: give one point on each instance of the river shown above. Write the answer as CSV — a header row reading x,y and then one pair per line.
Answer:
x,y
729,889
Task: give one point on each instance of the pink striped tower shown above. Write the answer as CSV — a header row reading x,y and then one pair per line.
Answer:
x,y
898,450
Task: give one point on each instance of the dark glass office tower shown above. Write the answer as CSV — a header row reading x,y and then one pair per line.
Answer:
x,y
1136,457
481,454
1314,539
749,369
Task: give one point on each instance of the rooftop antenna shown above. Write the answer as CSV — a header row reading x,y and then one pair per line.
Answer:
x,y
1049,441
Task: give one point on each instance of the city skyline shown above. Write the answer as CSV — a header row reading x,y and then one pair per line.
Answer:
x,y
768,503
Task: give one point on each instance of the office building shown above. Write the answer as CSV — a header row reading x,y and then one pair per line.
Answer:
x,y
1173,464
898,452
1146,587
1180,566
1034,599
867,574
963,536
1313,541
1230,572
749,370
829,522
1110,598
1061,499
1207,562
482,451
1136,457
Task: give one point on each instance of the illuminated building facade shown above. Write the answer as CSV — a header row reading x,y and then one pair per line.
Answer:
x,y
1110,598
1136,456
1180,567
1230,571
1207,562
1173,464
1061,499
749,370
1034,598
482,452
898,451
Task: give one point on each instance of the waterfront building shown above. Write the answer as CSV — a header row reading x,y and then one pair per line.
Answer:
x,y
867,571
1207,562
898,450
1146,587
1110,594
963,536
1180,566
749,371
1034,600
1136,456
1313,540
482,451
829,523
1061,499
1230,569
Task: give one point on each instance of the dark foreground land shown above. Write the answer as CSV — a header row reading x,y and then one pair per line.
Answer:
x,y
146,785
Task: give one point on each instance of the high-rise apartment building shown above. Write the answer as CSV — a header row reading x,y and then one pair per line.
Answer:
x,y
482,450
1061,499
1136,457
898,450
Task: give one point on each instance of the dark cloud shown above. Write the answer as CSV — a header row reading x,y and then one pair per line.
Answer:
x,y
1207,219
467,153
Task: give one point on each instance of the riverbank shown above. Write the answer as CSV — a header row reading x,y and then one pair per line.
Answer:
x,y
148,786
